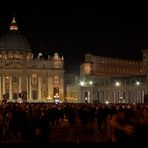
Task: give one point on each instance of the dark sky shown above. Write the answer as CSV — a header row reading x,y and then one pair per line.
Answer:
x,y
103,29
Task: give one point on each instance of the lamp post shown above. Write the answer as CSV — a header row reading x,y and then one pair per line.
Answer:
x,y
86,85
118,84
86,99
137,97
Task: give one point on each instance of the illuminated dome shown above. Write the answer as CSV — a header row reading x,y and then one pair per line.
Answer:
x,y
13,40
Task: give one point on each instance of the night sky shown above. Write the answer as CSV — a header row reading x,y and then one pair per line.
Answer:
x,y
112,30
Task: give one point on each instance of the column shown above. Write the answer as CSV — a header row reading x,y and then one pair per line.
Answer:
x,y
27,88
48,83
143,92
61,89
114,97
50,87
39,88
30,89
20,82
137,97
4,89
129,96
10,88
0,89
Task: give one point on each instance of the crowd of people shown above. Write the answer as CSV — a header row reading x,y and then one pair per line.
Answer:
x,y
33,121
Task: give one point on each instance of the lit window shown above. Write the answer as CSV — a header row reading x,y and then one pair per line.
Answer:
x,y
56,79
34,79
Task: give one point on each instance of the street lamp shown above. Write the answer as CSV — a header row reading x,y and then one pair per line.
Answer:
x,y
137,84
106,102
118,84
86,87
82,83
86,99
86,83
90,82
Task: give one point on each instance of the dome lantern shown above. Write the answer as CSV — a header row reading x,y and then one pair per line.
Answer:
x,y
13,25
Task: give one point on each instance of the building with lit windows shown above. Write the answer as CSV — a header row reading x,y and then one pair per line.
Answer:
x,y
113,80
72,89
23,76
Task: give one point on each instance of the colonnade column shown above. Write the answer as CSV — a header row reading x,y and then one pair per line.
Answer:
x,y
0,89
114,97
27,87
30,89
39,88
61,89
50,87
20,83
10,88
4,89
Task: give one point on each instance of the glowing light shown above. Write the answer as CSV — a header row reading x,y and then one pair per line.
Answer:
x,y
82,83
48,98
13,28
40,54
117,83
137,83
7,77
91,83
13,25
106,102
56,97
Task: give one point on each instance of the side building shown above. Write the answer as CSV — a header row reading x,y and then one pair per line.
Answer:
x,y
72,88
112,80
36,79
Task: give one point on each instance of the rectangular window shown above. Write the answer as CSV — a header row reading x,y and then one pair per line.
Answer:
x,y
34,79
56,80
15,80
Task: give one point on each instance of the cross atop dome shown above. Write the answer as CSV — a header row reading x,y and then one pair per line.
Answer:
x,y
13,25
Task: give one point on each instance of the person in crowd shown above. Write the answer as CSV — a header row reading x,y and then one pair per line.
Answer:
x,y
122,131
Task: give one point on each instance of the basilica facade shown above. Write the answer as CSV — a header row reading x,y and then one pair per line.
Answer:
x,y
23,76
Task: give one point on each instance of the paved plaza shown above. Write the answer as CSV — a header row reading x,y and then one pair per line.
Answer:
x,y
64,133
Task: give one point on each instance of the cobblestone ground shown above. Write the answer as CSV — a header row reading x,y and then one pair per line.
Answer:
x,y
64,133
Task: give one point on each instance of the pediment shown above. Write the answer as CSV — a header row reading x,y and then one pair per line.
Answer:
x,y
14,66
